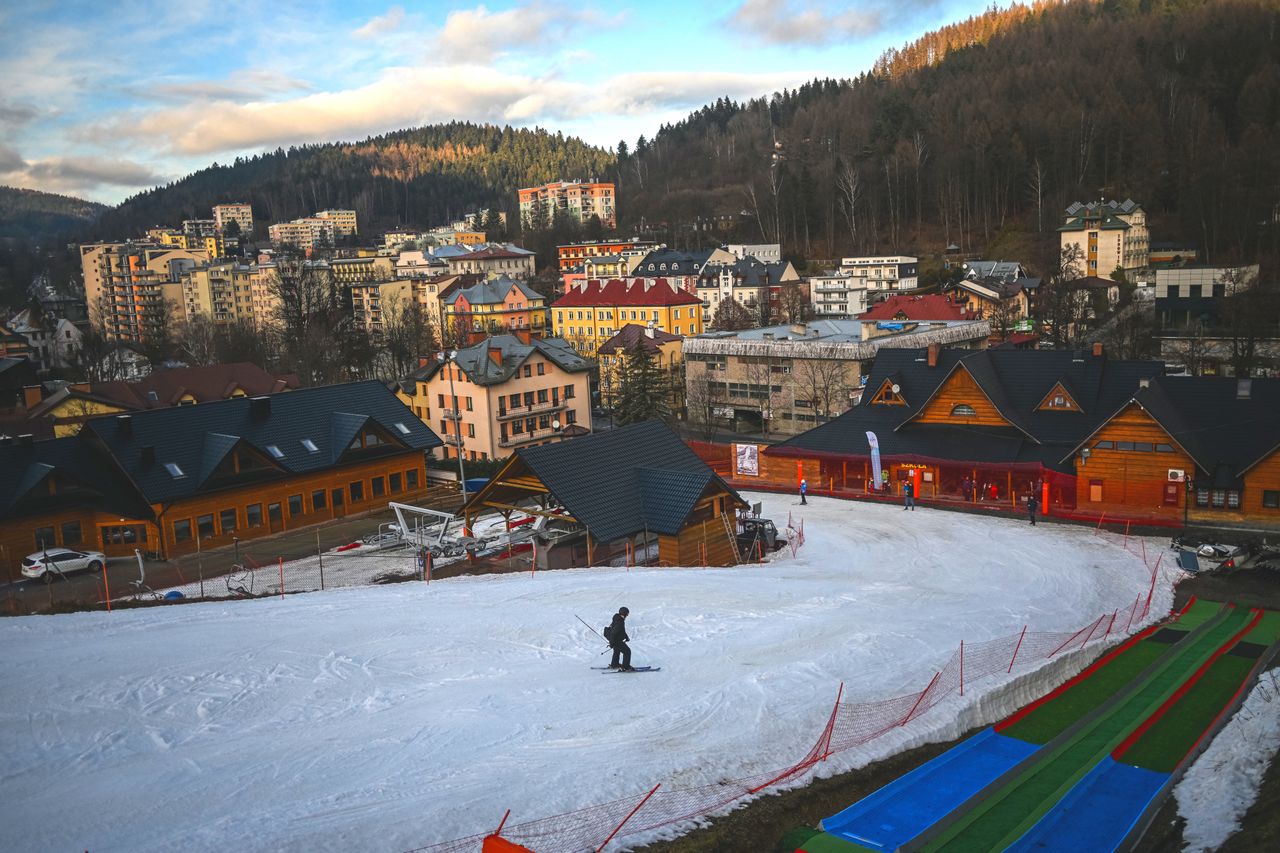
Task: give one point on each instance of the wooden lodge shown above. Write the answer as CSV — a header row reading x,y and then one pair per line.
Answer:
x,y
632,495
173,480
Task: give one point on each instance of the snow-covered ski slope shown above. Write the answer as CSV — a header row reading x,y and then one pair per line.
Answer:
x,y
391,717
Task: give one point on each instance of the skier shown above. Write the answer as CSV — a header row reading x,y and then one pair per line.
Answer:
x,y
1032,505
909,496
804,489
617,637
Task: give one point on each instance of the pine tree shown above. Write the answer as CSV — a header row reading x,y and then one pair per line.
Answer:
x,y
641,394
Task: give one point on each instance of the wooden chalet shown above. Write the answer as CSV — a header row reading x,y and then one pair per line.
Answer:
x,y
986,426
637,492
171,480
1199,450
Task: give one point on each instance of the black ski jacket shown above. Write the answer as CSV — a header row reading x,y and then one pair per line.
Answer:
x,y
618,630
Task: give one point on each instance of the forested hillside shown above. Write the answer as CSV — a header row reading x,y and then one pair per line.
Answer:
x,y
1172,102
27,214
423,176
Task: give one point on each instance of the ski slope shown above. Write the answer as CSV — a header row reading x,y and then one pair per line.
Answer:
x,y
392,717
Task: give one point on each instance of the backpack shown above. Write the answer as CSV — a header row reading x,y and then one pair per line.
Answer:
x,y
608,629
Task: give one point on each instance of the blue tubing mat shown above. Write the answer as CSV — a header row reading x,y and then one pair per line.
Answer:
x,y
912,803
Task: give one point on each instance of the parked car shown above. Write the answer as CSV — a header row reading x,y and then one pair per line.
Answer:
x,y
48,563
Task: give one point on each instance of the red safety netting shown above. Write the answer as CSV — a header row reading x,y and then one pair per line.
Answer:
x,y
851,724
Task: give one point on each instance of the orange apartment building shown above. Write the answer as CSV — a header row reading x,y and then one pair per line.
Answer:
x,y
501,394
571,255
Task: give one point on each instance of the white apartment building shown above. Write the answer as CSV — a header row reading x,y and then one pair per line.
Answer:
x,y
344,221
238,212
896,272
769,253
838,295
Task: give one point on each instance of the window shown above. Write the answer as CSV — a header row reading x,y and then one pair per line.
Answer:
x,y
1105,445
544,422
310,446
517,427
379,486
295,505
515,401
1143,446
274,514
357,490
44,537
318,500
568,392
542,395
528,398
395,480
528,371
204,526
1233,499
471,430
253,515
404,430
441,396
1164,448
1218,498
174,471
411,478
275,451
227,520
182,530
1124,445
1202,497
469,409
71,533
1271,499
963,410
571,417
541,368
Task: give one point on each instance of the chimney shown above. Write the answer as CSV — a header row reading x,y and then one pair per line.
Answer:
x,y
934,349
495,355
1144,383
32,395
260,408
525,336
124,427
1244,387
648,330
423,361
148,456
1097,350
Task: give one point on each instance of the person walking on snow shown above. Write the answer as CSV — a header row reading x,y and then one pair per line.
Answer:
x,y
909,496
616,634
804,489
1032,506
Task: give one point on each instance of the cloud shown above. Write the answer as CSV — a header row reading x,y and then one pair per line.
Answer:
x,y
814,22
244,85
409,96
13,115
382,24
477,34
77,175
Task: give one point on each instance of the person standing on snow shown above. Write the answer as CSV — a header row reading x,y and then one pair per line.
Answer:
x,y
616,634
909,496
1032,506
804,489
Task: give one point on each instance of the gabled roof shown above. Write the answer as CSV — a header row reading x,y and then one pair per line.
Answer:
x,y
931,307
490,253
214,382
477,363
628,335
490,291
631,292
625,481
663,262
82,474
1015,381
197,437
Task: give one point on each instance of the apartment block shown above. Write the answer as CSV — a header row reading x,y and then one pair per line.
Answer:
x,y
501,394
223,292
239,213
370,300
134,290
307,233
571,255
578,199
344,221
590,314
493,261
896,272
837,295
494,305
1109,234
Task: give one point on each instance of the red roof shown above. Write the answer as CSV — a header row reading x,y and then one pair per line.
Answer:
x,y
615,291
928,307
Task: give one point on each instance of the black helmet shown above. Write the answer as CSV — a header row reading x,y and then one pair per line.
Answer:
x,y
624,611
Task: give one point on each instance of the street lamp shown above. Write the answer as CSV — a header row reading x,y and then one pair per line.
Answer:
x,y
445,357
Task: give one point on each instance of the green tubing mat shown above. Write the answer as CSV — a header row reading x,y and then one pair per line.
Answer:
x,y
1163,746
824,843
1005,814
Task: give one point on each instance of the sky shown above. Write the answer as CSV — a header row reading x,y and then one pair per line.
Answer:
x,y
102,100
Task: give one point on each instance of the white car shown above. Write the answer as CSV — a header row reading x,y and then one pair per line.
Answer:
x,y
49,562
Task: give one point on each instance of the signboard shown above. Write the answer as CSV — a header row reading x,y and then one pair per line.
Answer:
x,y
746,460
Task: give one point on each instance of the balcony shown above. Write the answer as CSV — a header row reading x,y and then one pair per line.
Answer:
x,y
453,440
526,437
535,409
451,414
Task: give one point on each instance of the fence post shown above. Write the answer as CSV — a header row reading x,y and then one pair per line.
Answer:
x,y
1110,624
1132,613
1015,649
1094,627
106,586
320,555
1155,572
920,699
831,726
639,805
281,561
962,667
1126,535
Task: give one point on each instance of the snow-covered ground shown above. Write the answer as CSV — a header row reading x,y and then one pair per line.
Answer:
x,y
1223,782
392,717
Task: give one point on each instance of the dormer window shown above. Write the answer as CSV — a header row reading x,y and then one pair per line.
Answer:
x,y
310,446
175,471
1058,400
275,451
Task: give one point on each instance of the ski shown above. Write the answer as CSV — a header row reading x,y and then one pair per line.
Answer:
x,y
606,669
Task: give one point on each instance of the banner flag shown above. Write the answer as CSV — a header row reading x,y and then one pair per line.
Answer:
x,y
875,459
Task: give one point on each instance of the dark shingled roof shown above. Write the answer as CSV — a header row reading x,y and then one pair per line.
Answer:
x,y
624,481
81,473
1016,382
197,438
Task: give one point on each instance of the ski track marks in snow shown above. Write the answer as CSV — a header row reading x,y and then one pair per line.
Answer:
x,y
396,716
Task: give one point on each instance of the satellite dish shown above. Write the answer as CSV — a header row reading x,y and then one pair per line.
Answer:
x,y
894,388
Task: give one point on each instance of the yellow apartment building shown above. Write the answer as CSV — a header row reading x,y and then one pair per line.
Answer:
x,y
593,312
1109,234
